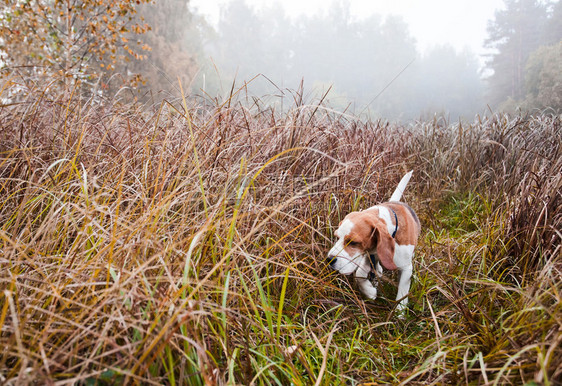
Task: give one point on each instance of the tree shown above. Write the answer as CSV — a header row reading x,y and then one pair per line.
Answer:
x,y
515,32
449,81
553,26
79,39
251,43
393,70
544,78
175,40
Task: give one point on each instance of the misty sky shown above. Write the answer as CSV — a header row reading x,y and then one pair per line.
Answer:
x,y
461,23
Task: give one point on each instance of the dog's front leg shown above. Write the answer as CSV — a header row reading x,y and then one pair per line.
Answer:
x,y
404,287
362,279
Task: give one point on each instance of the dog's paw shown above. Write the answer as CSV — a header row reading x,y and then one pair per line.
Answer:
x,y
367,289
401,310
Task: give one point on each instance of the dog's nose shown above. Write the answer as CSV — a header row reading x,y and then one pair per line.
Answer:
x,y
331,260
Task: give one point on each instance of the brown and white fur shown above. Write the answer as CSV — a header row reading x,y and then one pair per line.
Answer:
x,y
369,233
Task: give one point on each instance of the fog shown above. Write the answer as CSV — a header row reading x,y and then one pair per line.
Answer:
x,y
372,64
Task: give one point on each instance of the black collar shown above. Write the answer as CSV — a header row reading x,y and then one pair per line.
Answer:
x,y
396,222
373,259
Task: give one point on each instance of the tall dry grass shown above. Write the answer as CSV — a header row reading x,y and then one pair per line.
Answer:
x,y
184,243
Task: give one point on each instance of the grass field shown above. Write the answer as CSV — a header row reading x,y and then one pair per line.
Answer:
x,y
185,243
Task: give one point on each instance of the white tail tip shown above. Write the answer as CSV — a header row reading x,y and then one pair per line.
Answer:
x,y
397,195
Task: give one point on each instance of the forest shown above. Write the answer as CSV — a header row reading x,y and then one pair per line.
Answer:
x,y
368,67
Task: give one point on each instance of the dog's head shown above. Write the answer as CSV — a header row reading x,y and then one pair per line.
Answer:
x,y
359,235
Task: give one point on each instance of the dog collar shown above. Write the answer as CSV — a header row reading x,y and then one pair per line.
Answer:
x,y
396,222
371,275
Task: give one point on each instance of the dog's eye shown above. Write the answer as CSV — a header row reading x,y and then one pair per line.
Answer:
x,y
354,243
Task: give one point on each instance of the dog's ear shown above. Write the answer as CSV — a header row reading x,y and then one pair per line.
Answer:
x,y
384,245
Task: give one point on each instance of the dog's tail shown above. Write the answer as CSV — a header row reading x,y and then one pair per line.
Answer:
x,y
401,187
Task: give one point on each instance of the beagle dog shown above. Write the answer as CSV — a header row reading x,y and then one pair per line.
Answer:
x,y
384,235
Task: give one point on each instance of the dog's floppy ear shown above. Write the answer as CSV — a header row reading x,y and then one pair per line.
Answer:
x,y
385,246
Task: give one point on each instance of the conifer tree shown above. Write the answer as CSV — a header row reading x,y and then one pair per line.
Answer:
x,y
514,34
